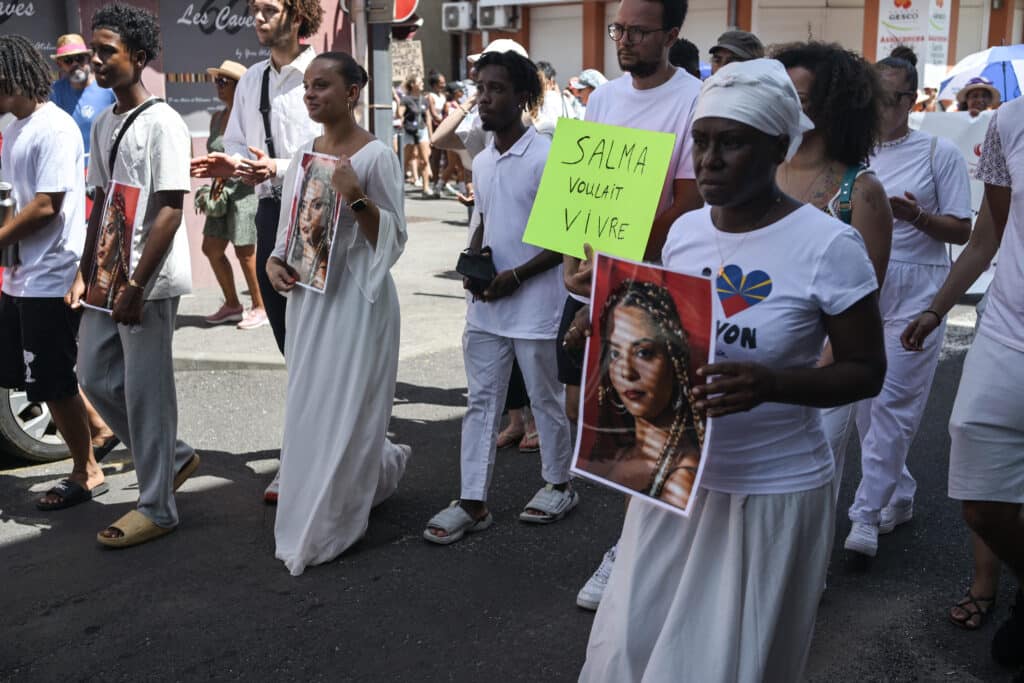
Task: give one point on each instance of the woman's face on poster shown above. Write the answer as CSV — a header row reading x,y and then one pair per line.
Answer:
x,y
107,244
313,209
639,365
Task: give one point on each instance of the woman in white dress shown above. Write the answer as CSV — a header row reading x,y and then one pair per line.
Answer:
x,y
730,593
342,357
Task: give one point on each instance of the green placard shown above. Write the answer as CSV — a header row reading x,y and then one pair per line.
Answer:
x,y
601,185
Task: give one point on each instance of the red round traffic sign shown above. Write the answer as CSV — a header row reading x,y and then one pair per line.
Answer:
x,y
404,9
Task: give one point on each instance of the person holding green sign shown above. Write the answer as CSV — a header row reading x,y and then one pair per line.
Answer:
x,y
651,95
515,315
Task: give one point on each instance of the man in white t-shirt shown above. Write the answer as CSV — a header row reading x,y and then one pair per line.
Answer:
x,y
515,315
124,359
44,157
651,95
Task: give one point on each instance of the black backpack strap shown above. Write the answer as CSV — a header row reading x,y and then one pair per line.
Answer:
x,y
124,129
265,111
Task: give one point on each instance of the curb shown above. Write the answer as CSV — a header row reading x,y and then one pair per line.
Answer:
x,y
199,360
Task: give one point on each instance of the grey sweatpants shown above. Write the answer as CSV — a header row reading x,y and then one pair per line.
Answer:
x,y
128,374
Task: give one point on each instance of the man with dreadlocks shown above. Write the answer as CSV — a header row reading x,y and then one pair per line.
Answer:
x,y
43,157
125,363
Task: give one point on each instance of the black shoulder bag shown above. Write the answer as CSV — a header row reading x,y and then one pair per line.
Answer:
x,y
268,136
124,129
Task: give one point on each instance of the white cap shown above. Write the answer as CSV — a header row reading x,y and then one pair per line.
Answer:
x,y
500,45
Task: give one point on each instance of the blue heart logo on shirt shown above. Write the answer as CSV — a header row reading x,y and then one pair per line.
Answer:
x,y
738,292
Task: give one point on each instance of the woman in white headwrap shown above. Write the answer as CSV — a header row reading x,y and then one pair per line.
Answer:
x,y
730,594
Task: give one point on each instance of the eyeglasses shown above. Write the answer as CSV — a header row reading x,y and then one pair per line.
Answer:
x,y
81,58
633,34
222,81
893,97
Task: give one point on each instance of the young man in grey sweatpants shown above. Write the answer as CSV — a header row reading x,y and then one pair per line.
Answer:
x,y
136,262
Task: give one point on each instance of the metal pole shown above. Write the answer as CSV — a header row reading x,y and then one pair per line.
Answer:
x,y
380,82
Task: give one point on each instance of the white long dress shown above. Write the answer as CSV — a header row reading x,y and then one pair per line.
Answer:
x,y
342,356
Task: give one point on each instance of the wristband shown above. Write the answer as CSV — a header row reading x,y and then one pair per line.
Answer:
x,y
516,276
132,283
933,312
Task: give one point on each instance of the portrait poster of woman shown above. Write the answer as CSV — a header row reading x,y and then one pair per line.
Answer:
x,y
313,220
638,430
111,266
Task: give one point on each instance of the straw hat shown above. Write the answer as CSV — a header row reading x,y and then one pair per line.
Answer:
x,y
229,69
978,83
70,44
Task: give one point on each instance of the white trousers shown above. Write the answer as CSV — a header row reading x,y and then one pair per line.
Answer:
x,y
488,359
888,423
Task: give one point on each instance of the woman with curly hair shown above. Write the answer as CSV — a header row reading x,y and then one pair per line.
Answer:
x,y
649,435
842,96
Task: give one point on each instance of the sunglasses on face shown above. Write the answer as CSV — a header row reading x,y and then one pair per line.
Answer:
x,y
222,81
74,59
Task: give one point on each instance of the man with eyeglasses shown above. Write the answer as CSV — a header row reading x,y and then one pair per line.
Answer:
x,y
76,92
259,156
651,95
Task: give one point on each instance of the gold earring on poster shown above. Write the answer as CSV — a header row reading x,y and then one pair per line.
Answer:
x,y
604,397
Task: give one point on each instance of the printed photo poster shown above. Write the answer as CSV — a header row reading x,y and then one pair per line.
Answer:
x,y
111,264
313,219
638,430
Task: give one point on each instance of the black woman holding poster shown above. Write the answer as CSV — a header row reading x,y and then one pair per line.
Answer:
x,y
336,459
730,593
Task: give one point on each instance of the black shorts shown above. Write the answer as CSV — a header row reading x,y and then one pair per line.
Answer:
x,y
38,347
570,363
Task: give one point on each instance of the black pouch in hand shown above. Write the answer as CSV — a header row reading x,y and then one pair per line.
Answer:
x,y
478,268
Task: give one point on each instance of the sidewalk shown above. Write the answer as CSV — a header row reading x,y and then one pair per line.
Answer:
x,y
433,305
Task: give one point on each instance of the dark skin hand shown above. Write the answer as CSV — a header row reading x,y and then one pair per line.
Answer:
x,y
857,372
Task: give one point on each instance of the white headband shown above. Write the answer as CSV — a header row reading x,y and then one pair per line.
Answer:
x,y
758,93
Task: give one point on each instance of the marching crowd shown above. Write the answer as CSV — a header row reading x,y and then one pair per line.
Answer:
x,y
797,162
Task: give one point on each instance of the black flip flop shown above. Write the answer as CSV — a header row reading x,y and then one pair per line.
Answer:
x,y
71,493
104,449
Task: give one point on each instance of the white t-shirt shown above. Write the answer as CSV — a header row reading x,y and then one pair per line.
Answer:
x,y
667,108
506,185
44,152
154,154
939,182
778,283
1002,163
551,109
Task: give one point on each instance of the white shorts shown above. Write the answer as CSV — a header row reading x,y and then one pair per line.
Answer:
x,y
986,457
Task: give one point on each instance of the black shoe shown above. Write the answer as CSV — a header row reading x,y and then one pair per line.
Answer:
x,y
1008,643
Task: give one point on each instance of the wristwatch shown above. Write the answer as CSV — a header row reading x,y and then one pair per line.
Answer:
x,y
359,205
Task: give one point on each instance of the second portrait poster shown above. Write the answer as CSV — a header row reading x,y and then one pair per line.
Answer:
x,y
313,218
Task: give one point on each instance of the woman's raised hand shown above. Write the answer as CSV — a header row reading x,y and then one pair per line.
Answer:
x,y
345,181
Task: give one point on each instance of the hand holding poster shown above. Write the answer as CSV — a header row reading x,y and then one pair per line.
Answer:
x,y
601,185
313,220
639,433
111,263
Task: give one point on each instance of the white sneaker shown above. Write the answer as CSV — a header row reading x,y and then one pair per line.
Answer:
x,y
863,539
893,516
590,595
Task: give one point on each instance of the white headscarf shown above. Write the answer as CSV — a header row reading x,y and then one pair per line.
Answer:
x,y
758,93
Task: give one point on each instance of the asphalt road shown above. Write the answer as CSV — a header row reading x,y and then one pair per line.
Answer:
x,y
210,602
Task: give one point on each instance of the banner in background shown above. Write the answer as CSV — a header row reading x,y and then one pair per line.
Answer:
x,y
967,134
198,35
41,21
919,24
406,60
